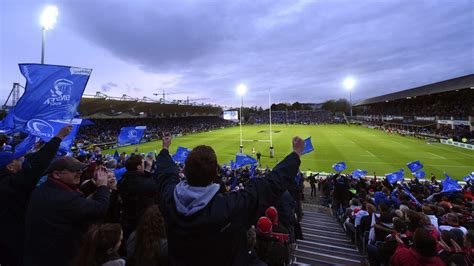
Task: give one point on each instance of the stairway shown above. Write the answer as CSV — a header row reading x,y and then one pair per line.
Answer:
x,y
325,242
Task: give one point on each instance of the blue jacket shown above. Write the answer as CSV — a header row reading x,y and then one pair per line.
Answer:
x,y
216,233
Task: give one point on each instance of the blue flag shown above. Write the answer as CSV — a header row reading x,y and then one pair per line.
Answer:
x,y
469,177
339,167
181,154
252,170
308,146
51,93
67,142
411,196
131,135
450,185
232,165
26,145
242,159
415,166
359,173
117,156
420,174
396,176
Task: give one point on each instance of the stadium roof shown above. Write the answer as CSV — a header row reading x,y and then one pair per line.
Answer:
x,y
458,83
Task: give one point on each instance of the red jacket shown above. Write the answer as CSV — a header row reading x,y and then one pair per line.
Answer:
x,y
409,257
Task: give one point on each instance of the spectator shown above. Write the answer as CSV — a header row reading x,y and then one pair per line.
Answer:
x,y
58,213
208,225
148,244
101,246
422,253
278,230
138,190
18,178
270,249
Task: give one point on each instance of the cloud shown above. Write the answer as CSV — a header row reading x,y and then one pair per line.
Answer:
x,y
108,86
301,50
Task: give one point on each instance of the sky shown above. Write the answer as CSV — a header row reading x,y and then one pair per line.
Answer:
x,y
300,50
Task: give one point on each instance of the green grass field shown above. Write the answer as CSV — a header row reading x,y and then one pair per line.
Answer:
x,y
359,147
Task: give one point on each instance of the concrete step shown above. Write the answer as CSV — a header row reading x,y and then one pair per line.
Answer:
x,y
332,228
322,232
305,261
325,257
328,240
329,250
322,222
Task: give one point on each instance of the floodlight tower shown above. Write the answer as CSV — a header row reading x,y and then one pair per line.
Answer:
x,y
241,90
48,19
349,84
272,151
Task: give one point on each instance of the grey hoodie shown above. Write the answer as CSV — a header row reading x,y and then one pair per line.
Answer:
x,y
190,200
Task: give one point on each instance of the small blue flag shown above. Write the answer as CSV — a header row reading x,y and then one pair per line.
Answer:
x,y
415,166
469,177
181,154
252,170
308,146
450,185
232,165
51,92
131,135
339,167
396,176
359,173
242,160
420,174
117,156
411,196
87,122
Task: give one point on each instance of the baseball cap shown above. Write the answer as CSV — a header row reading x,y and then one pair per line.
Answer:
x,y
66,163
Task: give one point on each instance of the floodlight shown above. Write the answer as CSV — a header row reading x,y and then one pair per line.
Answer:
x,y
48,17
241,89
349,83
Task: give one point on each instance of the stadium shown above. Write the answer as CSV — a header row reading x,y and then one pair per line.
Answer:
x,y
239,172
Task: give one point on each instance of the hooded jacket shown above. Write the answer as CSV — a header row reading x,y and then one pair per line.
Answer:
x,y
209,228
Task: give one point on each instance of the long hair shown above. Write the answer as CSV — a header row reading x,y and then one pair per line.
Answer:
x,y
148,234
97,243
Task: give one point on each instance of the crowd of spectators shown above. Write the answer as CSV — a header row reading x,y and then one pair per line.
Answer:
x,y
305,117
409,223
107,130
142,209
457,104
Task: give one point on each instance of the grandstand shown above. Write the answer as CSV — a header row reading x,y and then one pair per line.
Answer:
x,y
443,108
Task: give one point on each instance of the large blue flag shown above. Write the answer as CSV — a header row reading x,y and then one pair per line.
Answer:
x,y
396,176
308,146
420,174
181,154
131,135
415,166
67,142
51,93
242,159
450,185
339,167
359,173
26,145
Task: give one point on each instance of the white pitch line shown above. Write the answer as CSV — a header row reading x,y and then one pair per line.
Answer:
x,y
436,155
371,153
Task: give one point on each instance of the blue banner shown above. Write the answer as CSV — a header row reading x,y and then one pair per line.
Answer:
x,y
394,177
26,145
67,142
359,173
51,93
420,174
450,185
181,154
131,135
242,159
308,146
411,196
339,167
415,166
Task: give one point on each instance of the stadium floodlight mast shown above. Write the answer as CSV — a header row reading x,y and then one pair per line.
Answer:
x,y
241,90
349,84
48,19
